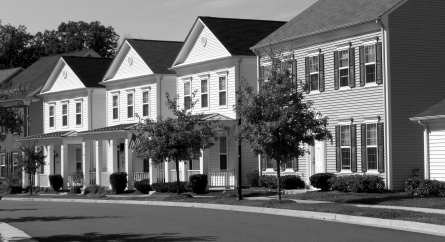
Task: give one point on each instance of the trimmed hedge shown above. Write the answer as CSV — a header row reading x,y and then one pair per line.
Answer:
x,y
118,181
170,187
268,181
198,183
96,189
286,182
14,189
321,180
76,189
56,181
425,188
358,184
253,178
143,186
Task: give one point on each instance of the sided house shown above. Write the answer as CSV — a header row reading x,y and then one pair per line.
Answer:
x,y
73,101
213,60
136,83
369,66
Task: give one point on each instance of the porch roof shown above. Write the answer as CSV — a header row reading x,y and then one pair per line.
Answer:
x,y
215,116
50,135
436,111
110,128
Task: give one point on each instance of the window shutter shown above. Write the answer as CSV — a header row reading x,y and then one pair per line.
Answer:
x,y
307,86
263,163
336,78
363,150
337,148
380,142
378,63
275,164
321,71
295,164
353,148
351,67
362,66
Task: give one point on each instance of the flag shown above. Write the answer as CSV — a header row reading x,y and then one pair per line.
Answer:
x,y
134,142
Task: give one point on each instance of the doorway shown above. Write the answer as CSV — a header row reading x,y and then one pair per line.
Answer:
x,y
318,158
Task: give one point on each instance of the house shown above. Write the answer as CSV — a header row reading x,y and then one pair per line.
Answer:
x,y
369,66
72,101
135,82
214,58
432,121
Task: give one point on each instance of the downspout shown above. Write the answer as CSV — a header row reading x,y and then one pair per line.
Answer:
x,y
426,152
90,123
240,180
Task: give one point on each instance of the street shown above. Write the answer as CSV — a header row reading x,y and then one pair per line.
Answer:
x,y
52,221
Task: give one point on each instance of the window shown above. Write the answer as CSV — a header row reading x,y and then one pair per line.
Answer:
x,y
3,165
223,153
51,116
78,159
2,129
313,72
146,164
371,146
15,162
345,143
145,104
370,68
343,60
204,93
79,113
115,106
288,164
187,94
64,114
130,105
222,91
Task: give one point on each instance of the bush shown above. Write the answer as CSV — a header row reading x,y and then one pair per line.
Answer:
x,y
321,180
170,187
14,189
56,181
425,188
268,181
358,184
372,184
143,186
77,177
253,178
75,189
118,181
34,189
96,189
291,182
198,183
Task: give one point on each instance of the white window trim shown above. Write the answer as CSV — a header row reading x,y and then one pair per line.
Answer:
x,y
313,54
67,112
204,77
128,92
146,90
76,113
115,94
3,156
375,171
374,83
346,147
227,153
226,75
187,80
53,116
340,49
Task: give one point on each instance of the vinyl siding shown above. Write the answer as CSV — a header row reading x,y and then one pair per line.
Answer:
x,y
356,103
137,68
417,55
36,116
437,151
99,108
168,84
70,82
249,71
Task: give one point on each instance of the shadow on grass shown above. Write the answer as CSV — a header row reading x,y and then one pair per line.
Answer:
x,y
51,219
95,237
378,200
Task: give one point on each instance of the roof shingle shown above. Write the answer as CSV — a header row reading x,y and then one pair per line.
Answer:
x,y
90,70
435,110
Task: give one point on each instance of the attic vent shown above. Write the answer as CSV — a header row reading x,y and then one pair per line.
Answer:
x,y
203,41
64,74
130,61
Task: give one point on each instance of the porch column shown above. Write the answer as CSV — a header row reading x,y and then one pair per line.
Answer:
x,y
153,173
64,164
25,180
204,166
99,157
426,152
86,162
50,158
129,164
113,165
167,171
183,168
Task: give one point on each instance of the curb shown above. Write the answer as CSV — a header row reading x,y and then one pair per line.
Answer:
x,y
9,233
425,228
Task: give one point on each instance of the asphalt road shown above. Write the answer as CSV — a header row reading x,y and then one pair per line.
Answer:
x,y
52,221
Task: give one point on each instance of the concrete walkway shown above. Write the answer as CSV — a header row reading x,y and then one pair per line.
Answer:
x,y
9,233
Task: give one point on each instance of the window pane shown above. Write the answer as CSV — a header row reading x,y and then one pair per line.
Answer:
x,y
345,136
343,58
146,165
130,111
115,113
65,121
372,158
371,134
115,101
145,97
313,64
204,86
64,109
78,154
370,73
369,53
346,158
51,122
79,166
2,160
223,162
344,77
222,98
204,101
222,145
314,82
130,99
78,119
289,164
78,107
145,110
270,162
187,102
51,111
186,88
222,83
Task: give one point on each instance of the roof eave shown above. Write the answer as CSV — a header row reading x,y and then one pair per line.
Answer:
x,y
425,118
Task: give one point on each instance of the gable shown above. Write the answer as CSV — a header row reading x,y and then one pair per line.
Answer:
x,y
125,68
212,49
58,81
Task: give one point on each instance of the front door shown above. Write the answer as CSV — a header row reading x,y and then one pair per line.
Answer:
x,y
318,161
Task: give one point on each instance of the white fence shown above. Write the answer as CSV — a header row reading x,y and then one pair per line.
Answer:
x,y
137,176
92,178
161,175
105,178
222,178
44,180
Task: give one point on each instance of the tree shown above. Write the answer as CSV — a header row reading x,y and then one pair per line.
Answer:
x,y
277,121
32,158
175,139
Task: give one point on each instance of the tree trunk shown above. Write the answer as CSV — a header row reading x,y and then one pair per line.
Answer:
x,y
278,179
178,183
30,181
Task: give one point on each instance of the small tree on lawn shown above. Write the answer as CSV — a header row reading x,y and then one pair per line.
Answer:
x,y
175,139
277,121
32,158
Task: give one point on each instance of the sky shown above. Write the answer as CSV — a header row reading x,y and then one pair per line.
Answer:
x,y
145,19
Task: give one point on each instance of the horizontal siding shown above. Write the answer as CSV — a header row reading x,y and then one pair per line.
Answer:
x,y
168,84
71,114
437,153
417,55
137,68
36,118
99,103
70,82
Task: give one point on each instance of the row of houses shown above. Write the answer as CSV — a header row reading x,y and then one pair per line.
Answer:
x,y
371,67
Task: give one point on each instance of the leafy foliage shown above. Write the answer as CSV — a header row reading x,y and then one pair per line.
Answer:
x,y
358,183
143,186
32,158
198,183
56,181
321,180
96,189
253,177
170,187
425,188
75,189
286,182
118,181
77,177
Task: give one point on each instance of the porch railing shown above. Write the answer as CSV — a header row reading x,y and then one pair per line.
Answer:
x,y
137,176
161,175
173,177
92,178
222,178
43,180
105,178
192,172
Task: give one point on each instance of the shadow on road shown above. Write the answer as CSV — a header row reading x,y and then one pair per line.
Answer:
x,y
94,237
19,209
51,219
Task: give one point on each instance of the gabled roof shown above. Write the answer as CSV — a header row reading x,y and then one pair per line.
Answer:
x,y
327,15
157,54
434,112
8,74
90,70
82,53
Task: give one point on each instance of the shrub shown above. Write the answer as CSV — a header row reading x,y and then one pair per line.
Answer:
x,y
372,184
268,181
75,189
118,181
96,189
170,187
321,180
77,177
358,183
198,183
253,178
56,181
34,189
425,188
143,186
291,182
14,189
411,185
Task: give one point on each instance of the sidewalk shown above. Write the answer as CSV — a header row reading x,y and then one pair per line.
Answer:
x,y
9,233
